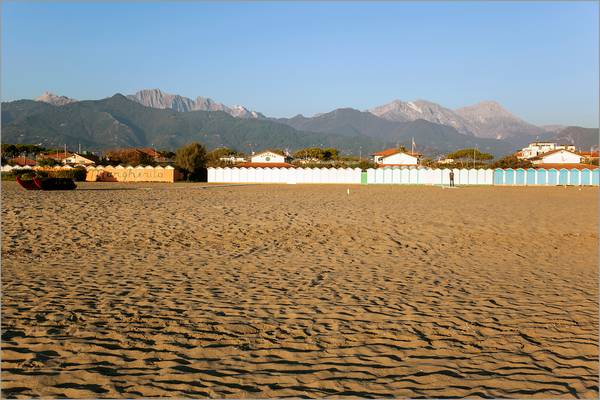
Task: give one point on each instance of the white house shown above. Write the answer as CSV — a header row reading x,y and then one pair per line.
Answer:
x,y
538,148
77,159
267,159
68,158
559,156
268,156
395,157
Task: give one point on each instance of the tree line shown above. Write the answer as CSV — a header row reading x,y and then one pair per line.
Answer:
x,y
193,159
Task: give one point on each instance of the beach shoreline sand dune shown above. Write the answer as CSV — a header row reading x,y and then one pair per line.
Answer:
x,y
292,290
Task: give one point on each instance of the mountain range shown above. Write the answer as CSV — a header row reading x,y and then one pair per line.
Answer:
x,y
151,117
118,121
432,138
157,99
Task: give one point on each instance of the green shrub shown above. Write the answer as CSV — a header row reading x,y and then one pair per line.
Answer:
x,y
191,161
77,174
48,162
365,165
511,161
7,176
12,175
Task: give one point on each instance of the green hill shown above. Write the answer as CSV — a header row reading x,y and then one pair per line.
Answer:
x,y
120,122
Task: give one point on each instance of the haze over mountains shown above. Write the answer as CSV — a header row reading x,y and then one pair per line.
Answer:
x,y
152,117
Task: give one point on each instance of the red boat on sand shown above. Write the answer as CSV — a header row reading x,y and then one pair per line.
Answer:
x,y
28,184
47,183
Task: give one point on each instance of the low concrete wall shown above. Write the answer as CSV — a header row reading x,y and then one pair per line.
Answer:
x,y
131,174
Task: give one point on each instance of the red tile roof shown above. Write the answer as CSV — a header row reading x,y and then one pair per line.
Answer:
x,y
264,165
589,154
56,156
150,151
390,152
22,161
128,150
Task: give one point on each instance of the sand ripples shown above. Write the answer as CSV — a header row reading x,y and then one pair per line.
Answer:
x,y
263,291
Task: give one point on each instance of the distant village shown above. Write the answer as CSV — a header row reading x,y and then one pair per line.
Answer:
x,y
535,155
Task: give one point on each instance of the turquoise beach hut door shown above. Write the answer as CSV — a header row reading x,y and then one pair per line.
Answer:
x,y
498,176
509,176
552,177
520,176
531,176
563,177
574,177
541,176
585,177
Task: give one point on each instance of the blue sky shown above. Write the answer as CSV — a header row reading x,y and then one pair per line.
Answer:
x,y
539,59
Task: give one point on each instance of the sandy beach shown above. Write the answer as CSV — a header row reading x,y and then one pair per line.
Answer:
x,y
192,290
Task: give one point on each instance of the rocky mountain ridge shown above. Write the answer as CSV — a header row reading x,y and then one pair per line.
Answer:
x,y
486,125
156,98
486,119
55,100
402,111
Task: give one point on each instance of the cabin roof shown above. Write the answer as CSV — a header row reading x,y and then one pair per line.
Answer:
x,y
392,151
269,151
264,165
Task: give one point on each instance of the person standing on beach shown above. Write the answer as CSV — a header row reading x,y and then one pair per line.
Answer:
x,y
451,178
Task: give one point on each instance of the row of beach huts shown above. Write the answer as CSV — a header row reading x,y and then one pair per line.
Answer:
x,y
386,175
408,176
